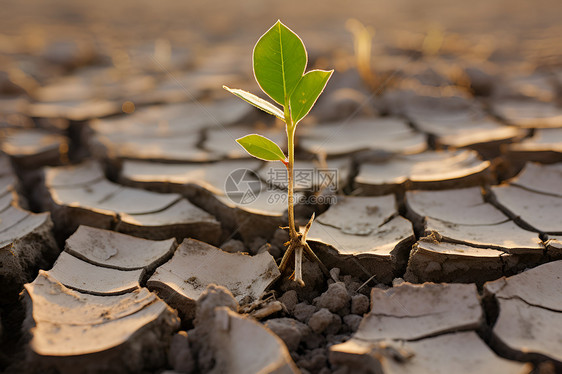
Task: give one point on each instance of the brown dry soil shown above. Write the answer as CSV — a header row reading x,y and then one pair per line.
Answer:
x,y
441,132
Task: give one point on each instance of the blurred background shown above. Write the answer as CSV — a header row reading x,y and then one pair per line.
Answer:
x,y
79,60
113,31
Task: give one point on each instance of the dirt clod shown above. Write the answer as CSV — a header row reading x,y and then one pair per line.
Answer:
x,y
303,311
360,304
289,330
213,297
290,300
323,319
335,298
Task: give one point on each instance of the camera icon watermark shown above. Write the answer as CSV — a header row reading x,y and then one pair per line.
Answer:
x,y
244,186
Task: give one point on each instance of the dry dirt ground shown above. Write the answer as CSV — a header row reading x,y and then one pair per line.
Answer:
x,y
136,236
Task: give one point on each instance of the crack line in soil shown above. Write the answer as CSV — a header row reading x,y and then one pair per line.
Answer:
x,y
516,297
423,337
180,197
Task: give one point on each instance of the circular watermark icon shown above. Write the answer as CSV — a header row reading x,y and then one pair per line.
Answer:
x,y
242,186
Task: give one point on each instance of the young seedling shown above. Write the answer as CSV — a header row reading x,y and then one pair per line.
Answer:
x,y
280,61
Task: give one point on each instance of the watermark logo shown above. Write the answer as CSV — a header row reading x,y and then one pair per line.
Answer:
x,y
242,186
306,179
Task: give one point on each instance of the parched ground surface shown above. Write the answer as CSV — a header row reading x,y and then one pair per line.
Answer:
x,y
136,236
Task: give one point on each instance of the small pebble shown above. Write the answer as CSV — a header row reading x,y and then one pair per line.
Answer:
x,y
320,320
335,298
303,311
290,300
359,304
289,330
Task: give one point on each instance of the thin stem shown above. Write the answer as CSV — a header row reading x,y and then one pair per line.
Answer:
x,y
294,237
298,266
285,260
297,241
290,172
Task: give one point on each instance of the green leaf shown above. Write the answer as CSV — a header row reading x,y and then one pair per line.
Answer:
x,y
279,62
256,101
306,93
261,147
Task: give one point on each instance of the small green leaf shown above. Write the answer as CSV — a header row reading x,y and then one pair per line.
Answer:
x,y
256,101
279,62
261,147
306,93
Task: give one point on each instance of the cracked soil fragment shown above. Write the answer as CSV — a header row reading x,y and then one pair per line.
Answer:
x,y
363,235
26,239
466,239
73,332
195,265
429,170
420,329
529,323
92,200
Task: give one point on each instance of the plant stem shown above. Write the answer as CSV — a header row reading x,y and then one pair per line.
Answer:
x,y
297,241
294,237
290,172
298,266
294,241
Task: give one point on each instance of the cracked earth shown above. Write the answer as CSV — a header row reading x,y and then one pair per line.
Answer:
x,y
122,249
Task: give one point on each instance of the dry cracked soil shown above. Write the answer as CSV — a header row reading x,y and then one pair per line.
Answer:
x,y
136,236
